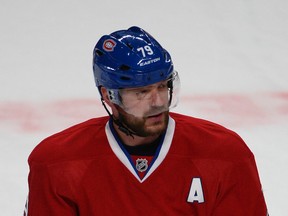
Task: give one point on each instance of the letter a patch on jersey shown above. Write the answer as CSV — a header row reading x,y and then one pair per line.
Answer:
x,y
196,192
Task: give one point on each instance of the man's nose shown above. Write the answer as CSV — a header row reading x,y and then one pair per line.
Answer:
x,y
157,98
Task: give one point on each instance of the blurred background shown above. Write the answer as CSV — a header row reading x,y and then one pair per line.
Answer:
x,y
231,56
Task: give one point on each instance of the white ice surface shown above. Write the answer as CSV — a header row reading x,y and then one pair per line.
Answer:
x,y
231,55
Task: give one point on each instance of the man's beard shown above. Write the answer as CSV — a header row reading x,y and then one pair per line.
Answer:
x,y
139,127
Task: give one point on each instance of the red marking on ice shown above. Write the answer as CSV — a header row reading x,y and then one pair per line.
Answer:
x,y
77,108
282,101
50,116
237,110
21,114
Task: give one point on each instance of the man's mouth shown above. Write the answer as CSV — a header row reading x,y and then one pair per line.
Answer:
x,y
155,116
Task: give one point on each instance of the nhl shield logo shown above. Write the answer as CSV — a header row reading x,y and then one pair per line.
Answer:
x,y
141,164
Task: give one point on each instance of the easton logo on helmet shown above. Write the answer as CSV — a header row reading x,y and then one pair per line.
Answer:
x,y
109,45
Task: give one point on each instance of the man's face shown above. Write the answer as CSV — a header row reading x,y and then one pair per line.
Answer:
x,y
145,109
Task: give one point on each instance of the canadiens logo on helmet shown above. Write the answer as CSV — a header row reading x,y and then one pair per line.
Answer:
x,y
109,45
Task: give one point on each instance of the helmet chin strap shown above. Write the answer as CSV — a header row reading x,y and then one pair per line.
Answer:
x,y
120,125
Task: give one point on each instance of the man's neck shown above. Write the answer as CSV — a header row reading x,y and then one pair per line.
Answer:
x,y
134,140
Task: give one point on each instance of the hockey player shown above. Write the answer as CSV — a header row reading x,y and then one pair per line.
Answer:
x,y
142,159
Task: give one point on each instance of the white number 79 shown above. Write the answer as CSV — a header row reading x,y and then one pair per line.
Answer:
x,y
146,49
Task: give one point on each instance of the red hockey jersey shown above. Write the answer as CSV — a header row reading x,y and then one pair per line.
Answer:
x,y
201,169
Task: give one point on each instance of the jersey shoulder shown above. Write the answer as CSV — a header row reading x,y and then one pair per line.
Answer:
x,y
206,139
76,142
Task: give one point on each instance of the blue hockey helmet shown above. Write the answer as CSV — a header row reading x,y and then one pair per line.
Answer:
x,y
130,58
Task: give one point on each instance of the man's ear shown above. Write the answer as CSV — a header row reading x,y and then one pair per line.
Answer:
x,y
105,96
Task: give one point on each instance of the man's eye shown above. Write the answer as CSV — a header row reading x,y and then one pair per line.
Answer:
x,y
142,92
163,85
